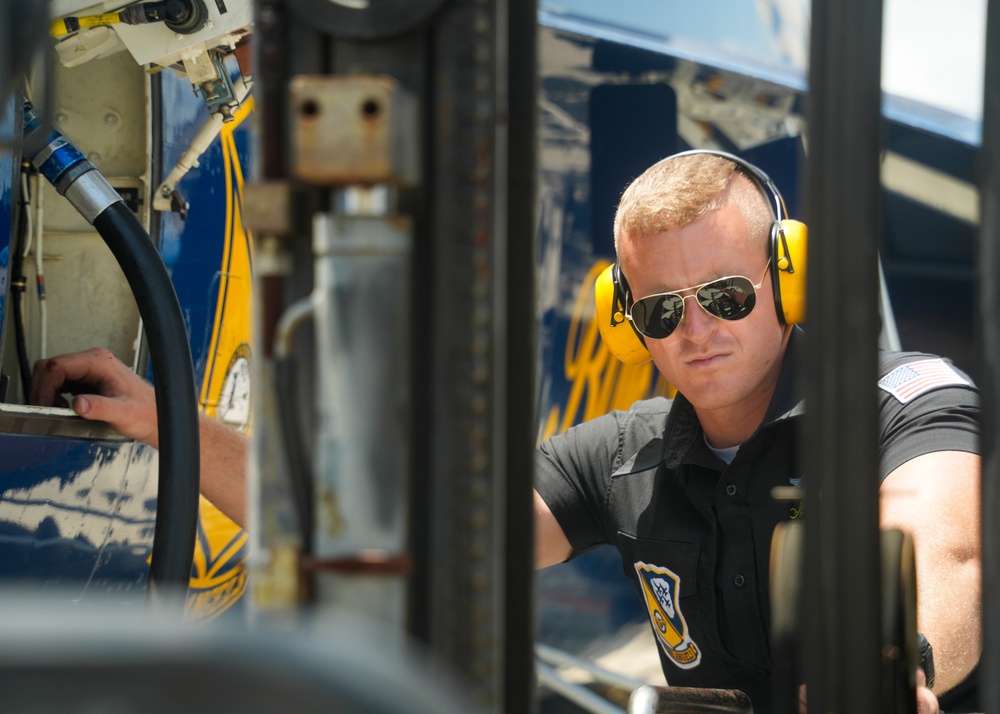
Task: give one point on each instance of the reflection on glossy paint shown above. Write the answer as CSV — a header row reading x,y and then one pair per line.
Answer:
x,y
599,382
8,166
78,514
219,570
231,330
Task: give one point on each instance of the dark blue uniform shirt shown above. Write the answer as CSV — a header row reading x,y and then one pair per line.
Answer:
x,y
694,533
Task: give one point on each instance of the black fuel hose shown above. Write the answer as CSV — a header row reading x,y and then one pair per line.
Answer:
x,y
88,191
18,283
176,398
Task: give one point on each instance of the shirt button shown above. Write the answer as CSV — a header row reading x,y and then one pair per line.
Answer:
x,y
731,489
739,580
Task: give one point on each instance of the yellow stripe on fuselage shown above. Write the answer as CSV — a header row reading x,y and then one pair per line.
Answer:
x,y
219,573
232,327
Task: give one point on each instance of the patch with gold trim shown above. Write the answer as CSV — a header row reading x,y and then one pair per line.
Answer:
x,y
661,589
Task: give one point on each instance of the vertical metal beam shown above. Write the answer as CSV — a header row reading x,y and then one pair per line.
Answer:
x,y
989,348
470,64
463,608
842,638
476,348
282,274
520,87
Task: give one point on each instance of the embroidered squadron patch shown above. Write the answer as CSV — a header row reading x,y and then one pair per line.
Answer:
x,y
661,591
909,381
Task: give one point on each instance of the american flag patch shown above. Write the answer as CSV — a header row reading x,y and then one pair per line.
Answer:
x,y
909,381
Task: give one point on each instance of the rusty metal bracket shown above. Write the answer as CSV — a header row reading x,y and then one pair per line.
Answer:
x,y
358,130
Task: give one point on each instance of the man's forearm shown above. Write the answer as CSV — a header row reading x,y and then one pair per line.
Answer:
x,y
935,497
224,454
950,618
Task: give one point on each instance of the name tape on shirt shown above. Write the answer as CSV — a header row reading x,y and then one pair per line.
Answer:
x,y
909,381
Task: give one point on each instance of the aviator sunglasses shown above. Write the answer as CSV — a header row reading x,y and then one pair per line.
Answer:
x,y
729,298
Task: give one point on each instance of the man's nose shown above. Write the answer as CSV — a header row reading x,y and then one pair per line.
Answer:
x,y
695,320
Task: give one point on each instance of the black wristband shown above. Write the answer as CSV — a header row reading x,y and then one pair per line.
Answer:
x,y
926,653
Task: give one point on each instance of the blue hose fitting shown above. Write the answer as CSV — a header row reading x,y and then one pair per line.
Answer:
x,y
66,168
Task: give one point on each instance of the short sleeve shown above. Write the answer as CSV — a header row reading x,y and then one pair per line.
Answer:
x,y
572,474
926,404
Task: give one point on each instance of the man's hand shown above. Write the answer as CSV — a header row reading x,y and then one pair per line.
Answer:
x,y
104,389
927,703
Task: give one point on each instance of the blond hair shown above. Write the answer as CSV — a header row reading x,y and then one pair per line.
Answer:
x,y
679,191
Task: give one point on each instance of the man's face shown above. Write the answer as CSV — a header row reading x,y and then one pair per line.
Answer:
x,y
725,367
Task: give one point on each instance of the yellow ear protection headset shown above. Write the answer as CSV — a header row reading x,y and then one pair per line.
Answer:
x,y
788,273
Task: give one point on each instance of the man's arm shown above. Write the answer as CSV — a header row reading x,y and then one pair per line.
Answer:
x,y
551,545
106,390
224,458
936,498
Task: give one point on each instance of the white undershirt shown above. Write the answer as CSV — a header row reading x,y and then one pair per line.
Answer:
x,y
727,454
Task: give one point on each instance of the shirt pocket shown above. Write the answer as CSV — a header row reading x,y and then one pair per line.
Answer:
x,y
666,576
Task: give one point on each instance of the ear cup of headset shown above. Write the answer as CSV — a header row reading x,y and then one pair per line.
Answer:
x,y
617,332
788,251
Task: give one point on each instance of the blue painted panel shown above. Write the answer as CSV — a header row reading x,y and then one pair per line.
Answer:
x,y
193,249
9,161
77,515
594,139
927,255
768,40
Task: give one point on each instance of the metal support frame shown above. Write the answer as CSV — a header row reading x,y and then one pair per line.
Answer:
x,y
581,696
989,348
842,625
471,310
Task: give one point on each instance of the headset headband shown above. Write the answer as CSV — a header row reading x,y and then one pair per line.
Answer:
x,y
764,183
752,172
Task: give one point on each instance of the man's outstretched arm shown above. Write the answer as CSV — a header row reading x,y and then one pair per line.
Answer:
x,y
935,497
106,390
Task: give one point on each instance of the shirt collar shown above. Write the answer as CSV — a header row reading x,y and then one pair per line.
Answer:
x,y
788,399
682,432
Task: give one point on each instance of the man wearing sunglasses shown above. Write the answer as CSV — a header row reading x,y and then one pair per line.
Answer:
x,y
682,488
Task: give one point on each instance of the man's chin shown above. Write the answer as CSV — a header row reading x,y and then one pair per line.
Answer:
x,y
708,395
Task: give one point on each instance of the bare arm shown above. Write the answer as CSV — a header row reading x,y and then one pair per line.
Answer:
x,y
106,390
224,458
936,498
551,545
